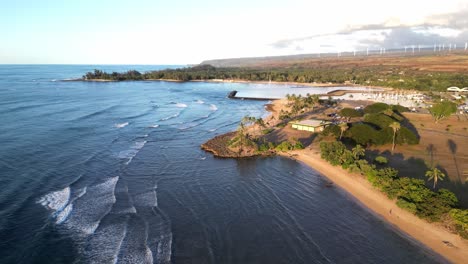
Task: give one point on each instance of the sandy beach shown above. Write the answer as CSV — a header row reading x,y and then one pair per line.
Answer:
x,y
436,237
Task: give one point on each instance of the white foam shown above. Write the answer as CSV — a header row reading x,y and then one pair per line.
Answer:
x,y
57,200
131,153
181,105
148,198
213,130
200,102
164,249
154,126
63,215
91,208
213,107
120,125
170,117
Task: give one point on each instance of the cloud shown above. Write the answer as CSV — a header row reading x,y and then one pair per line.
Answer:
x,y
439,28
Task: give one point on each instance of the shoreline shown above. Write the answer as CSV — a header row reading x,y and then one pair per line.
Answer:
x,y
452,247
240,81
434,236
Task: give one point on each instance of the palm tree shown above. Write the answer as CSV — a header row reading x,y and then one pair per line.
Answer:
x,y
435,174
358,152
343,128
395,126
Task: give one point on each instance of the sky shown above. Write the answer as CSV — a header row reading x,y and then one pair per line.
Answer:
x,y
188,32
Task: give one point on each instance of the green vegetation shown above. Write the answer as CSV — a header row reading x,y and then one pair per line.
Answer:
x,y
286,145
332,130
350,113
382,124
435,174
381,160
374,75
410,194
442,110
460,218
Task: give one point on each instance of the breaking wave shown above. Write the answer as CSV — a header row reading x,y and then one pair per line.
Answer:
x,y
181,105
131,153
213,107
120,125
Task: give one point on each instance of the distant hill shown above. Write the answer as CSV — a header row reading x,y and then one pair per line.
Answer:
x,y
425,61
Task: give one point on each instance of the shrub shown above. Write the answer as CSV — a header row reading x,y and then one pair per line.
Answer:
x,y
332,151
267,131
460,218
375,108
350,112
400,108
406,205
298,145
284,146
381,160
406,136
362,134
380,120
332,130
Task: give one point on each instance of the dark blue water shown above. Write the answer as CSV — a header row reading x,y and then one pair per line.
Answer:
x,y
113,172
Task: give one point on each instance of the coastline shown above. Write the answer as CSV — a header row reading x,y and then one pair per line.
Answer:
x,y
451,246
242,81
434,236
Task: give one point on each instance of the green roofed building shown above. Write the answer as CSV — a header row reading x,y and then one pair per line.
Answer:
x,y
311,125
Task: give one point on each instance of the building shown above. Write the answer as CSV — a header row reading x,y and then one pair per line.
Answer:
x,y
311,125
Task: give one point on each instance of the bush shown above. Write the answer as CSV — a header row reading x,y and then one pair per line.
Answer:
x,y
350,112
284,146
376,108
362,134
381,160
400,108
332,151
380,120
406,205
267,131
460,218
332,130
406,136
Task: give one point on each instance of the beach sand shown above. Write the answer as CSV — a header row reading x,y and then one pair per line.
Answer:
x,y
451,246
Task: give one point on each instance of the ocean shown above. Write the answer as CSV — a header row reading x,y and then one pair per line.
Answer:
x,y
112,172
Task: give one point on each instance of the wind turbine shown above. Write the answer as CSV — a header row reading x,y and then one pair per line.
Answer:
x,y
413,48
367,51
435,47
466,45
